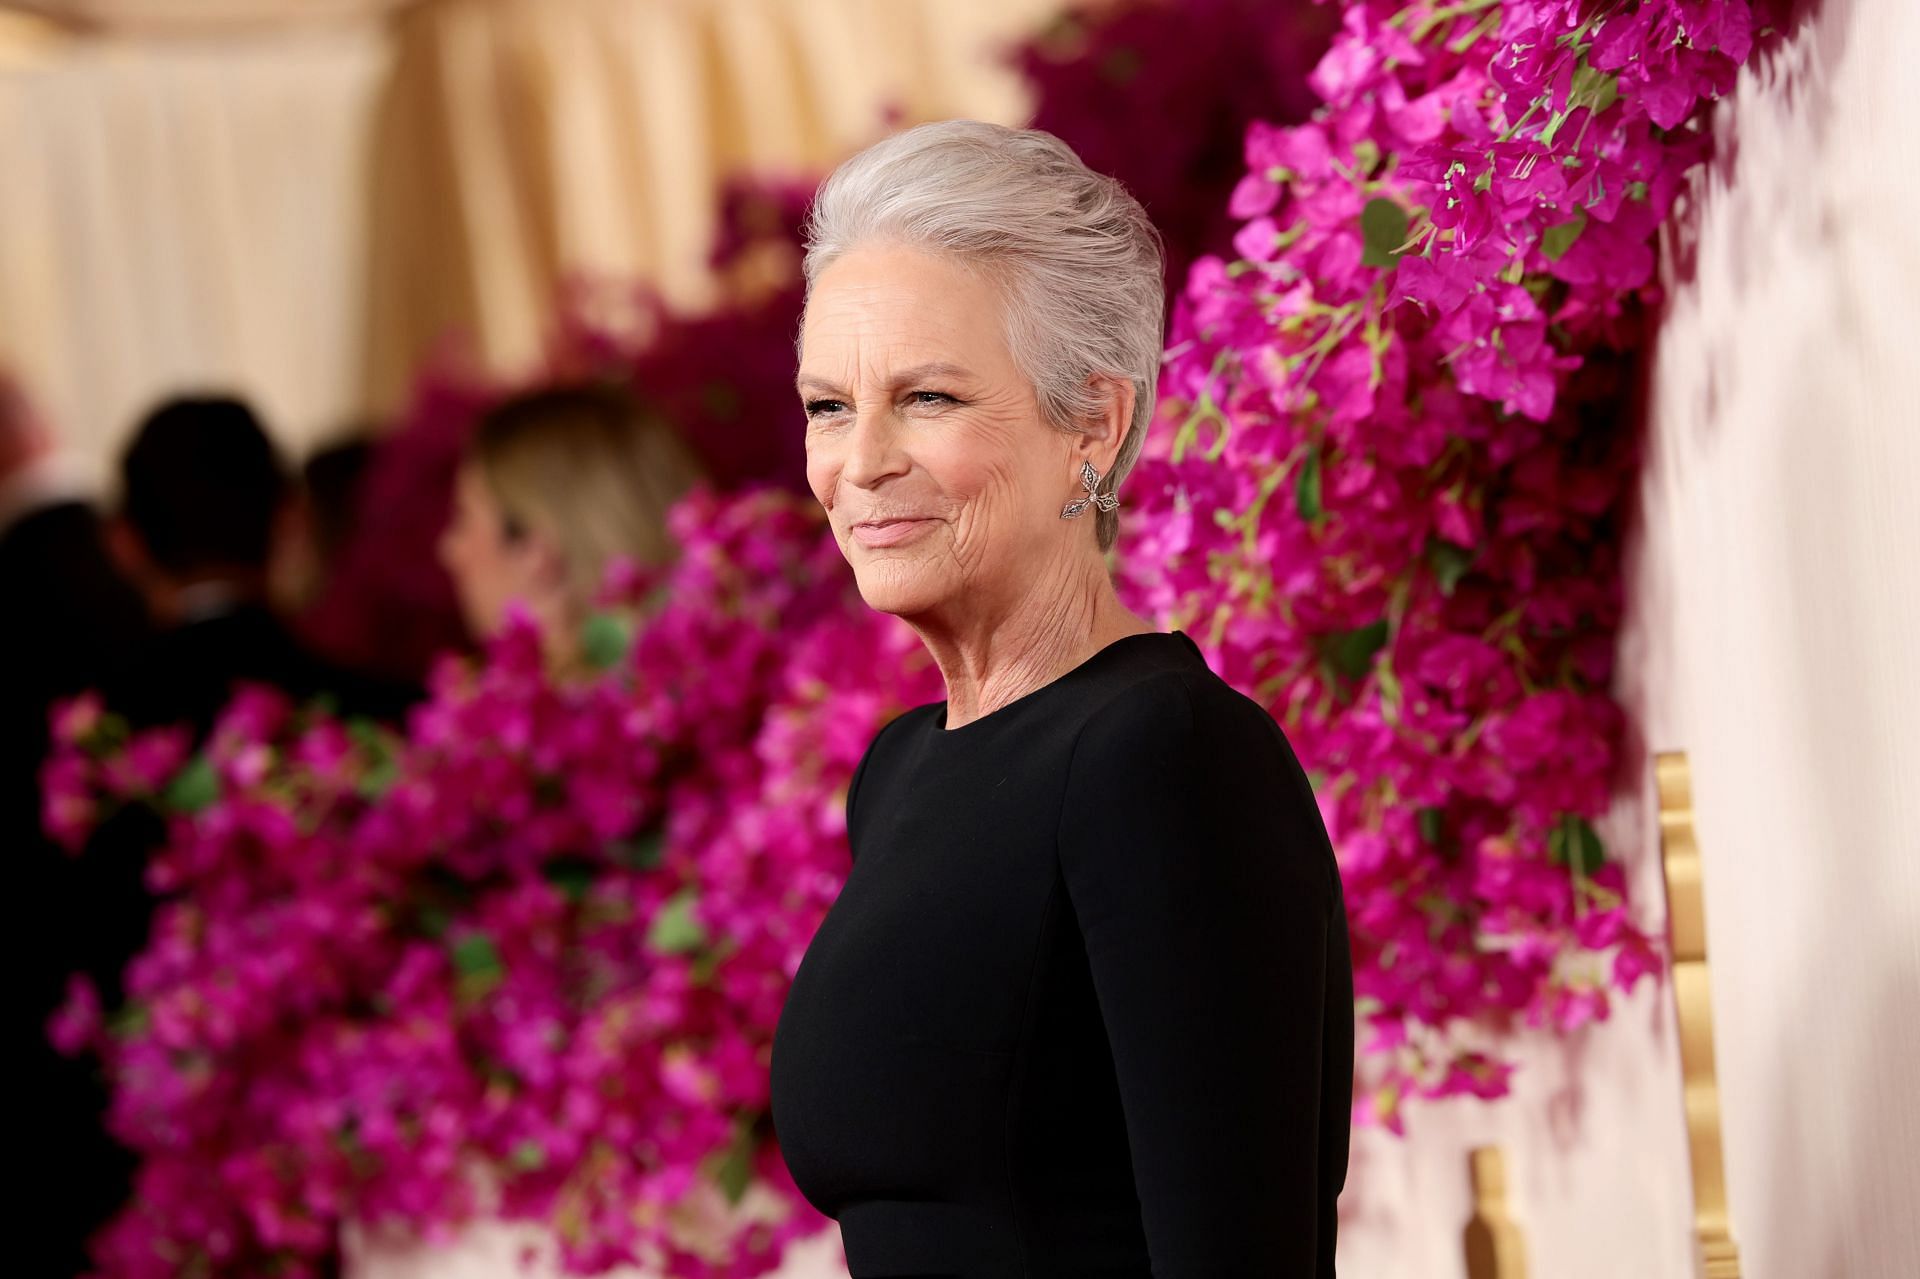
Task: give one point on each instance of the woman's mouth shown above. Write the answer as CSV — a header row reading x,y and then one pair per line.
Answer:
x,y
876,533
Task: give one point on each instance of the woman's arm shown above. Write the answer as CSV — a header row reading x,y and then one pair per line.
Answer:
x,y
1206,893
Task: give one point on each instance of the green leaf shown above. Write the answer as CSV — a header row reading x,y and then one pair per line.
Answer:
x,y
1557,239
528,1156
605,640
378,780
1575,844
641,851
130,1021
1306,487
476,961
1589,854
674,929
1430,824
1383,229
1351,652
194,788
475,954
1594,89
573,876
736,1169
434,920
708,961
1449,563
1389,682
383,766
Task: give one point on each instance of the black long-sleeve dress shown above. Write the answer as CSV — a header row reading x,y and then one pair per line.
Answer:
x,y
1084,1006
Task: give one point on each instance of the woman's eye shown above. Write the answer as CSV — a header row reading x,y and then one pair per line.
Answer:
x,y
931,397
817,408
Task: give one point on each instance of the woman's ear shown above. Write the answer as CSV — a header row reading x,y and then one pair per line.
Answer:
x,y
545,568
1104,432
540,582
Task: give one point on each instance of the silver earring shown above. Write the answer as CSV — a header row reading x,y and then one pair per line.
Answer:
x,y
1091,479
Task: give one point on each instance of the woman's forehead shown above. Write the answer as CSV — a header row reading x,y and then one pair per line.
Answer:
x,y
896,306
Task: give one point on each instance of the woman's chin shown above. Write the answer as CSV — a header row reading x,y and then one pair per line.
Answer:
x,y
896,586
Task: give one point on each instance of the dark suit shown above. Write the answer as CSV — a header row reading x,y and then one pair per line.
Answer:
x,y
186,675
71,622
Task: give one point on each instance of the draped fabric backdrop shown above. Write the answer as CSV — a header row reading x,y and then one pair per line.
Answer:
x,y
520,140
186,212
303,207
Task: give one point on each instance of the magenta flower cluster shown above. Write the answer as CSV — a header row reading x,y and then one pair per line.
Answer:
x,y
525,961
1388,493
1158,96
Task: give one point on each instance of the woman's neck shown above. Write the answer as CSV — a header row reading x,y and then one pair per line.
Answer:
x,y
989,658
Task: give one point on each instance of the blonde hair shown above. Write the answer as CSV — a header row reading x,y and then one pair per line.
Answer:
x,y
590,471
1078,260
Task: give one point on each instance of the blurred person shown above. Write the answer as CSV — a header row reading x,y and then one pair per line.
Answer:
x,y
555,486
316,521
72,620
202,503
74,616
1085,1001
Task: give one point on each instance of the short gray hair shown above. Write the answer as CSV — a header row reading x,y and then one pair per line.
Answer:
x,y
1078,261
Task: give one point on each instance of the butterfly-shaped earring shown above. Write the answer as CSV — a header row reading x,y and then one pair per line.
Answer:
x,y
1091,479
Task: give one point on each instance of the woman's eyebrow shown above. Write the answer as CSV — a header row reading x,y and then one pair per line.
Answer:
x,y
923,372
807,384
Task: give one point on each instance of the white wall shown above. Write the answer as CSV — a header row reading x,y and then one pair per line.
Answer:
x,y
1779,618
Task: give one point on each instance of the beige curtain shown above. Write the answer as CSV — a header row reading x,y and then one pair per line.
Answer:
x,y
186,213
522,140
195,16
299,210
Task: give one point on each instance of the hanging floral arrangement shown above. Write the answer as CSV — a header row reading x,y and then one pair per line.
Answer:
x,y
1388,493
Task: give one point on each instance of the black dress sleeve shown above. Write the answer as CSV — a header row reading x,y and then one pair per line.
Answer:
x,y
1208,900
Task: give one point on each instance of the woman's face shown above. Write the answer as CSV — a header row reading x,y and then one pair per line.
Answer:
x,y
925,443
490,568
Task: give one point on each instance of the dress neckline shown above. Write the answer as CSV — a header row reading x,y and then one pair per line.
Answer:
x,y
1026,700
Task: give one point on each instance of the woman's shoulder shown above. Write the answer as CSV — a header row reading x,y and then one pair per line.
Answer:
x,y
1177,697
1180,726
1176,758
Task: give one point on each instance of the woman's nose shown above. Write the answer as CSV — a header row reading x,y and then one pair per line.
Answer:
x,y
874,450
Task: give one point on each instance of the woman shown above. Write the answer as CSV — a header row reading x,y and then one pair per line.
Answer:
x,y
556,485
1084,1005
